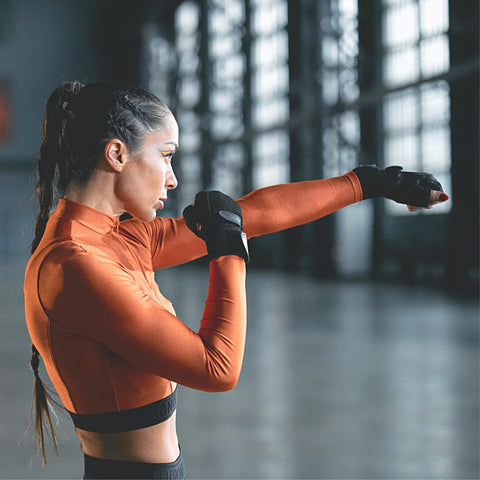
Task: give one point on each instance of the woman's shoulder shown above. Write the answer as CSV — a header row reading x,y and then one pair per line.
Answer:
x,y
70,254
51,263
147,233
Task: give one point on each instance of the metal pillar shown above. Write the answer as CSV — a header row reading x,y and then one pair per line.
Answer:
x,y
247,99
463,262
204,106
119,40
308,248
369,77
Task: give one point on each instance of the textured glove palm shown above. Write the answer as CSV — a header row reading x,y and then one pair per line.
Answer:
x,y
217,219
410,188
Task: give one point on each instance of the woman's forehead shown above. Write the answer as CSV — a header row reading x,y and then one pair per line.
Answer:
x,y
166,136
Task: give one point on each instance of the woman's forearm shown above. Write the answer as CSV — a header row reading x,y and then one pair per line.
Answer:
x,y
279,207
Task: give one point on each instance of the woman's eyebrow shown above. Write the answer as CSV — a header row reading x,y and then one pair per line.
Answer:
x,y
172,143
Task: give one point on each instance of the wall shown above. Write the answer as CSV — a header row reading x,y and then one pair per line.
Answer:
x,y
43,43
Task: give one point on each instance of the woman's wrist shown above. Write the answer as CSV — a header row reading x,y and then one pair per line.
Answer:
x,y
372,180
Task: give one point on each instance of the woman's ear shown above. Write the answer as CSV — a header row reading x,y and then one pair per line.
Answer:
x,y
115,152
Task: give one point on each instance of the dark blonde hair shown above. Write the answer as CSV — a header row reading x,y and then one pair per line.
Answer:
x,y
79,121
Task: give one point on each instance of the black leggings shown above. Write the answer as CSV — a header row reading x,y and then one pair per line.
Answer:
x,y
102,468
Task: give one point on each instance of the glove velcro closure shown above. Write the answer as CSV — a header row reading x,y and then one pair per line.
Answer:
x,y
372,180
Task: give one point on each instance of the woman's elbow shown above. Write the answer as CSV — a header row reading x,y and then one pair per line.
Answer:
x,y
225,382
223,379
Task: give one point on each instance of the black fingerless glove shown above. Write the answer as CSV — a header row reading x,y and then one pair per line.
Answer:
x,y
410,188
217,219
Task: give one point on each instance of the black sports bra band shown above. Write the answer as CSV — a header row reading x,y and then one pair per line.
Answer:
x,y
127,420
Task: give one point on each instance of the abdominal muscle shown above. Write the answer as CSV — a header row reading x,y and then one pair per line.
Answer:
x,y
155,444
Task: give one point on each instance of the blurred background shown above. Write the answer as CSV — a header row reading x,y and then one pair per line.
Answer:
x,y
362,355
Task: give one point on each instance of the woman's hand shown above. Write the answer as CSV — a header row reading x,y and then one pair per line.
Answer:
x,y
217,219
417,190
436,197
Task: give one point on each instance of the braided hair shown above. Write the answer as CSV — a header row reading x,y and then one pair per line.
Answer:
x,y
79,121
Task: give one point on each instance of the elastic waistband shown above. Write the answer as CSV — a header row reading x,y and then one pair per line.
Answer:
x,y
127,420
120,469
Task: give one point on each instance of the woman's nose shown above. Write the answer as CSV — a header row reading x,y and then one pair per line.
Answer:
x,y
170,179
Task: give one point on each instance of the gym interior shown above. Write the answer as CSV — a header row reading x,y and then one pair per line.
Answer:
x,y
362,355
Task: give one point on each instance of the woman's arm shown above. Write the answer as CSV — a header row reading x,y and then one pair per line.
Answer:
x,y
266,210
279,207
94,297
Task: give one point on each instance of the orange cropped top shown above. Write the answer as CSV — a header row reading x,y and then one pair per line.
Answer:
x,y
110,341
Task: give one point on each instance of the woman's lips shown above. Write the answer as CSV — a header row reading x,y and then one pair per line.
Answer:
x,y
160,203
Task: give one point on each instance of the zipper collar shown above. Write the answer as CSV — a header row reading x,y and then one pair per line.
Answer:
x,y
87,216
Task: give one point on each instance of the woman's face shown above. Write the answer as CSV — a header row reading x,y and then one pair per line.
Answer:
x,y
147,176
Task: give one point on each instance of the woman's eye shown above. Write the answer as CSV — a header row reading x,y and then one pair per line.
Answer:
x,y
168,155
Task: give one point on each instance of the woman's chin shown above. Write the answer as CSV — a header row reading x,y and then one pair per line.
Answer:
x,y
159,205
150,217
146,216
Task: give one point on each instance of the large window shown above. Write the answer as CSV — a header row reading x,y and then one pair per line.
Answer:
x,y
187,43
339,81
226,68
270,84
416,117
230,92
226,93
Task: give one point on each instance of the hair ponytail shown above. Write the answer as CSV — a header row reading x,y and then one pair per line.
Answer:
x,y
42,399
53,152
51,157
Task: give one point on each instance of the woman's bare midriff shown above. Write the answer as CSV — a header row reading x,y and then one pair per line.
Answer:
x,y
155,444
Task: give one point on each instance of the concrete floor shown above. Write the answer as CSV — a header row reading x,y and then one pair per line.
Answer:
x,y
340,381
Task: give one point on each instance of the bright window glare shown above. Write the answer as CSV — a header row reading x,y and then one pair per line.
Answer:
x,y
187,22
402,150
267,148
435,56
401,111
433,16
436,149
348,7
435,105
400,25
187,17
401,67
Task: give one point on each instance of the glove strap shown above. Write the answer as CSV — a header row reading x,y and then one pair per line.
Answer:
x,y
372,181
375,181
228,242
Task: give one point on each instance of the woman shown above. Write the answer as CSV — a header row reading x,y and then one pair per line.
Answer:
x,y
112,345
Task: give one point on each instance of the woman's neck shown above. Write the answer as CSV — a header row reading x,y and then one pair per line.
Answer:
x,y
98,193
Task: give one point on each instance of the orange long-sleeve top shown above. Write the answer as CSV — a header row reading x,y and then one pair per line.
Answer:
x,y
109,339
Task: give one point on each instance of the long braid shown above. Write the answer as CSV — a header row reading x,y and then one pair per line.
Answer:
x,y
42,399
46,172
51,157
52,153
41,395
